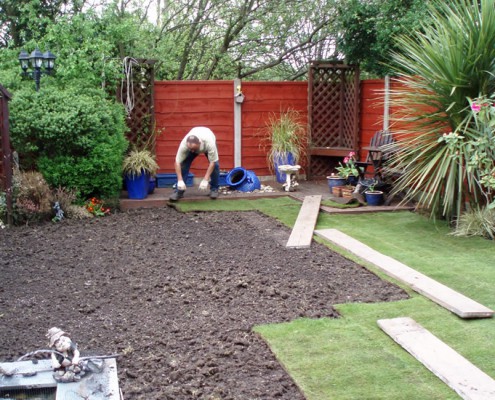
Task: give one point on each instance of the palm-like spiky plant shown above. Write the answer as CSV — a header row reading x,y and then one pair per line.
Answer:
x,y
449,61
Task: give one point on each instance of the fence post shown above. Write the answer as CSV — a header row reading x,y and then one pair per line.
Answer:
x,y
386,106
238,99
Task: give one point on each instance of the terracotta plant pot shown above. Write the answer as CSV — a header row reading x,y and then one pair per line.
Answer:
x,y
347,191
335,181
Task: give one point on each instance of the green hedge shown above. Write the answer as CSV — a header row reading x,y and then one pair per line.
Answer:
x,y
75,137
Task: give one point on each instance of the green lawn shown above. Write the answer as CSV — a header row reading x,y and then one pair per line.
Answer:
x,y
350,357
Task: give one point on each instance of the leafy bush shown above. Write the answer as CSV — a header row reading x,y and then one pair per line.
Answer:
x,y
74,137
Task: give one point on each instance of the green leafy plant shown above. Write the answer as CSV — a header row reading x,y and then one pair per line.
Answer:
x,y
139,161
74,137
440,67
371,186
285,133
349,168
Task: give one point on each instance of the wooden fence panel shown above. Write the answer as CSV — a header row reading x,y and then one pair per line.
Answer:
x,y
371,116
263,99
181,105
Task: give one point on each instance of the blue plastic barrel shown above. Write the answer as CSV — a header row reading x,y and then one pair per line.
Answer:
x,y
243,180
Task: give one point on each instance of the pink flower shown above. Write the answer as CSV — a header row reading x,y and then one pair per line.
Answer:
x,y
346,160
352,154
475,107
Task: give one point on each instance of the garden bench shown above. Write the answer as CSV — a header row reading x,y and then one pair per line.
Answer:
x,y
379,151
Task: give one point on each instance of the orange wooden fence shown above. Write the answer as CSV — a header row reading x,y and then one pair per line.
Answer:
x,y
181,105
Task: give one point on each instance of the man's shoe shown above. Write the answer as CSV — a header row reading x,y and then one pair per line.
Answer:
x,y
214,194
176,195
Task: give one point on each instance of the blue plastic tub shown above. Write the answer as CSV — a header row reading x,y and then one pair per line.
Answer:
x,y
169,180
222,179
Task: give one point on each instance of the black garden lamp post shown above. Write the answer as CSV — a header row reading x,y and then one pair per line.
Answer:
x,y
37,59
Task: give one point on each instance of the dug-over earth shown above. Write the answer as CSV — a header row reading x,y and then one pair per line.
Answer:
x,y
176,294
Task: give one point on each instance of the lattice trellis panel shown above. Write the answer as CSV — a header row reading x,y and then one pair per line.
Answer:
x,y
137,94
333,114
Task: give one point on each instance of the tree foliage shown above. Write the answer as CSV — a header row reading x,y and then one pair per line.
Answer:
x,y
24,20
194,39
368,28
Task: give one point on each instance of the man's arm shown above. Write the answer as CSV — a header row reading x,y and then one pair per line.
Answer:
x,y
209,170
178,171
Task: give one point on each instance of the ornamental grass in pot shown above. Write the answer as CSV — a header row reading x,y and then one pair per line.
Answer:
x,y
286,136
139,165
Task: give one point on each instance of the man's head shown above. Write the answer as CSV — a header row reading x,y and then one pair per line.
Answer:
x,y
193,143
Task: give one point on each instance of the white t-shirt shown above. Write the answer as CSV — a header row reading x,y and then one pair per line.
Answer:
x,y
207,146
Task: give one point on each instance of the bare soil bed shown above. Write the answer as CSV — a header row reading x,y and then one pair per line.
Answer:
x,y
176,294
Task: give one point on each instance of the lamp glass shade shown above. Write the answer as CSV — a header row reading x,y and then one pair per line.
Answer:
x,y
49,59
36,58
24,60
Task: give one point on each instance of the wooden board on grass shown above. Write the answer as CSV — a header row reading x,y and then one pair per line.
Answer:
x,y
303,230
456,371
453,301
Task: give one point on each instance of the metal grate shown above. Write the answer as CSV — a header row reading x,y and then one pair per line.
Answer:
x,y
35,394
333,113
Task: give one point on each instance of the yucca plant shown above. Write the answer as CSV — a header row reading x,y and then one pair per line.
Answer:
x,y
450,60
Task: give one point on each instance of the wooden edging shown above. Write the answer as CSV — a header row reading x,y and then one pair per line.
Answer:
x,y
453,301
453,369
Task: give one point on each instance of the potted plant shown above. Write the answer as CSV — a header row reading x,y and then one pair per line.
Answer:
x,y
139,165
373,197
334,181
287,138
350,171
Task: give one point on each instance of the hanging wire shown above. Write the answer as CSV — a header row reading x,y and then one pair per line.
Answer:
x,y
128,63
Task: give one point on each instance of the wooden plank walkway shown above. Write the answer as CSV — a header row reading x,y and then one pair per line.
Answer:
x,y
453,301
302,233
456,371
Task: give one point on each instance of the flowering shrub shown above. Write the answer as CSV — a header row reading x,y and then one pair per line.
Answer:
x,y
349,168
95,207
482,147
